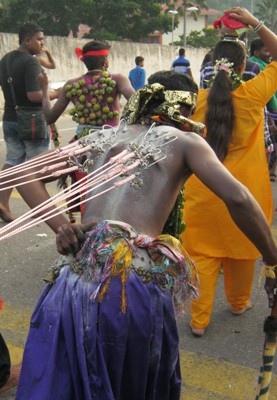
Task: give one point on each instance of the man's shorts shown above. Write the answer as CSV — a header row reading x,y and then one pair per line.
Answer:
x,y
18,151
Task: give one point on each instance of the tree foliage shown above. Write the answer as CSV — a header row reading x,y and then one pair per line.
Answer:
x,y
207,38
109,19
266,11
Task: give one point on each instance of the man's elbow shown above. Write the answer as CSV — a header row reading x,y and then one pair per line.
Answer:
x,y
240,198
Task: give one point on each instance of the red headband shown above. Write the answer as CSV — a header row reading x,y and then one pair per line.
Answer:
x,y
79,53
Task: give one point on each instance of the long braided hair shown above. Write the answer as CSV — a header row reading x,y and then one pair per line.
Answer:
x,y
220,118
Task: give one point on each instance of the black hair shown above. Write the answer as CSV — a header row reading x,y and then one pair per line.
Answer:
x,y
208,57
181,52
256,44
138,60
172,80
95,62
220,110
28,31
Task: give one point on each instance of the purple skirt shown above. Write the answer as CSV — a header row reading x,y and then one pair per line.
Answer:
x,y
82,349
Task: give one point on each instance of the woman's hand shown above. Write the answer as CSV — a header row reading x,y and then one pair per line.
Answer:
x,y
243,15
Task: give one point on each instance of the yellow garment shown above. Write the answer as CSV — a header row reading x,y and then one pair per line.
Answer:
x,y
238,277
210,230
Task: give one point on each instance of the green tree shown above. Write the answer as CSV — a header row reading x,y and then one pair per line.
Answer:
x,y
134,20
109,19
56,17
207,38
266,11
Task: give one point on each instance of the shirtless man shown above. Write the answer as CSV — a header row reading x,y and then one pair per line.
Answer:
x,y
106,328
96,94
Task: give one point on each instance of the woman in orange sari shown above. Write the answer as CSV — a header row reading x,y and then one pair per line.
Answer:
x,y
233,112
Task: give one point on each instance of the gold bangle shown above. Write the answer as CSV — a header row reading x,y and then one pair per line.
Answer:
x,y
257,27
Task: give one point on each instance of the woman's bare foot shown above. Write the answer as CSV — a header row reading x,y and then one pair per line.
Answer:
x,y
248,306
5,214
13,378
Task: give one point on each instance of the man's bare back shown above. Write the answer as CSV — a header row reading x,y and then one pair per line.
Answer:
x,y
146,202
147,206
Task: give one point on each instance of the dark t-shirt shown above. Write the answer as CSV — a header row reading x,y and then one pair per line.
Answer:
x,y
24,70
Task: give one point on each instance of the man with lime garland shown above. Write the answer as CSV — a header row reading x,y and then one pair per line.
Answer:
x,y
95,94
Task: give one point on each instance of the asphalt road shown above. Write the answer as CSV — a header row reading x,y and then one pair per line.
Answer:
x,y
222,365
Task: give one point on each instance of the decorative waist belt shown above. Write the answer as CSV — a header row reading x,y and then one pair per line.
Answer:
x,y
110,249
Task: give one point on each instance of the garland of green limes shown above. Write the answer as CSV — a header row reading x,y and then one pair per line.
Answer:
x,y
92,102
175,225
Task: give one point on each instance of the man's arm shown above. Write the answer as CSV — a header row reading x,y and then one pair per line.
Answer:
x,y
34,194
143,77
36,97
124,86
32,69
52,113
48,63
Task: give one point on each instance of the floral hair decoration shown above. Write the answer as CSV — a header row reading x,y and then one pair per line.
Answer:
x,y
224,65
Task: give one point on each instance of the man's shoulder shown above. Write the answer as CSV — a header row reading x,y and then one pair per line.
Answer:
x,y
20,58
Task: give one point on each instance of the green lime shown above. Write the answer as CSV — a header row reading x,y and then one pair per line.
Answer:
x,y
92,116
105,109
109,89
82,98
96,107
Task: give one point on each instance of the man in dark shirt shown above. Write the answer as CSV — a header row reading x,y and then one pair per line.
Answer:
x,y
182,64
24,69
